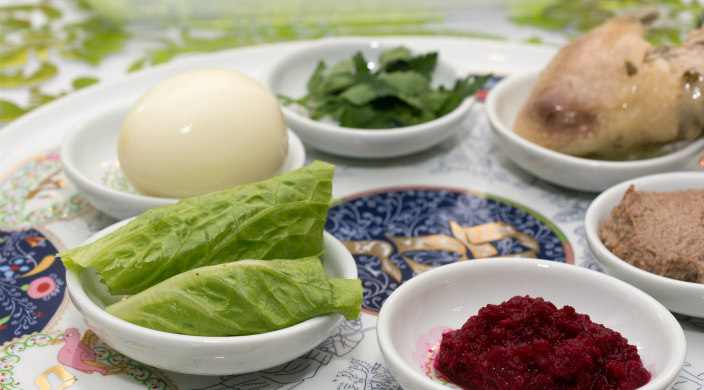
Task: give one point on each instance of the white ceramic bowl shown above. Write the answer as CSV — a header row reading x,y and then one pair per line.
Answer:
x,y
290,75
678,296
89,158
205,355
503,103
447,296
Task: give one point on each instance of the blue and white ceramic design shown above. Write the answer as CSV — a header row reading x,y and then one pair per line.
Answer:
x,y
395,234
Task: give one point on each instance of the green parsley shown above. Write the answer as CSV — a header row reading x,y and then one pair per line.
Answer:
x,y
398,93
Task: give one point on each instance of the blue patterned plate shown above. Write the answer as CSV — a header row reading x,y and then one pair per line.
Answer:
x,y
397,233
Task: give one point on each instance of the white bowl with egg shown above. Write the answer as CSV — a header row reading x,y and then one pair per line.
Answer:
x,y
289,76
677,295
415,315
172,156
205,355
503,103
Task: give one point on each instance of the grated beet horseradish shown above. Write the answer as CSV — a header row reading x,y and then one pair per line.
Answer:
x,y
527,343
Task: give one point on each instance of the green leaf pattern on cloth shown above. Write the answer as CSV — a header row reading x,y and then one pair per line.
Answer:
x,y
165,29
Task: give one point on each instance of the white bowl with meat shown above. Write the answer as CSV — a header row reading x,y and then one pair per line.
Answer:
x,y
505,100
609,106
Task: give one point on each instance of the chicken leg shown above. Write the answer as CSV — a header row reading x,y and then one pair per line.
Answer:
x,y
610,94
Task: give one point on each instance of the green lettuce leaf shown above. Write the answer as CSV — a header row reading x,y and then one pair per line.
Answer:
x,y
241,298
280,218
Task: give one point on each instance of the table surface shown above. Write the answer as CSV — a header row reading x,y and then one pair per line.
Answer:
x,y
42,212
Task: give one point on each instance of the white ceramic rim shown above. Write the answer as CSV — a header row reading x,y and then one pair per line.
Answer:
x,y
507,84
281,66
295,159
599,207
79,296
663,378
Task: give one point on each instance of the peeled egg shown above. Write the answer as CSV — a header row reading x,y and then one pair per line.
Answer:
x,y
201,131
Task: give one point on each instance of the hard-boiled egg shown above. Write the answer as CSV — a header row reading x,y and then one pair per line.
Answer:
x,y
200,131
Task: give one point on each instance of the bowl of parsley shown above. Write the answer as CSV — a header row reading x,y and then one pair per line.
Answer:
x,y
366,98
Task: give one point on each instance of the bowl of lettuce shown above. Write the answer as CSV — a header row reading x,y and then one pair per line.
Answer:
x,y
367,98
230,282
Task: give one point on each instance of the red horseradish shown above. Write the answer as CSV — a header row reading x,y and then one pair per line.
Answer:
x,y
527,343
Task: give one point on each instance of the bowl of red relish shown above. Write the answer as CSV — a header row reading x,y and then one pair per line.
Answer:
x,y
519,323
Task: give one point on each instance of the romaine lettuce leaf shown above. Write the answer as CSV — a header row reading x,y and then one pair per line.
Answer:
x,y
242,297
280,218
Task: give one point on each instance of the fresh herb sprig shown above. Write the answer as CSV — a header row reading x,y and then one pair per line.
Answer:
x,y
396,93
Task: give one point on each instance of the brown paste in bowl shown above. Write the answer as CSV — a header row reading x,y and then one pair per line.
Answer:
x,y
659,232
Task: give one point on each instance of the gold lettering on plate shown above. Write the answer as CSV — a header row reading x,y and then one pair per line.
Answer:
x,y
50,183
475,239
43,383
